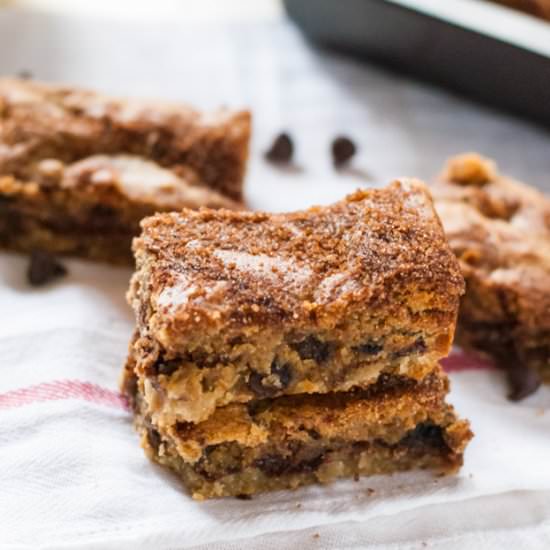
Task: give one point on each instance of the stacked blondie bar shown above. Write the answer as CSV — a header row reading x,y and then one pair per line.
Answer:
x,y
277,350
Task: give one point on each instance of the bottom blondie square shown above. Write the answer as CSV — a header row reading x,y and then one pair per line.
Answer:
x,y
278,350
396,424
500,231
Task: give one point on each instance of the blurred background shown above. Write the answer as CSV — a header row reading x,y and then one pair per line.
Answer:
x,y
411,82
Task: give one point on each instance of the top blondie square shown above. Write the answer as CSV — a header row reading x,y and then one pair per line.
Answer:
x,y
238,306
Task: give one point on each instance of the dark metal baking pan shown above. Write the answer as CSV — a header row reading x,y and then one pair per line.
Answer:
x,y
474,47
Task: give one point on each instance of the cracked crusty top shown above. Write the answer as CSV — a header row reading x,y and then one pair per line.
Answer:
x,y
45,127
500,231
206,268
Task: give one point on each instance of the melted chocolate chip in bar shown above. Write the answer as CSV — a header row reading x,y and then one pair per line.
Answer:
x,y
168,368
154,438
425,434
313,348
277,465
262,387
369,348
419,346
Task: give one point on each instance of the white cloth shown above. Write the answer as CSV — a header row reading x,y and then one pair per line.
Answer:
x,y
72,474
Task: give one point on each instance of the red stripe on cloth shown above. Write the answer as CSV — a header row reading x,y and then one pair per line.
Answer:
x,y
62,389
460,361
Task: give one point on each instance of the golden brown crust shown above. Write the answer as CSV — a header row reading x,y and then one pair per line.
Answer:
x,y
212,270
500,231
41,121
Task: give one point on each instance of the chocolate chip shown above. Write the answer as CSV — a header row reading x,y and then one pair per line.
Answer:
x,y
154,439
312,348
419,346
25,75
43,268
523,380
281,150
343,149
255,383
209,449
199,357
428,432
368,348
309,465
272,464
283,372
314,434
167,367
425,434
201,469
184,428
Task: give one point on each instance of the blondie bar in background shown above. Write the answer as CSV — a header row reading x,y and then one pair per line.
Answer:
x,y
79,170
499,229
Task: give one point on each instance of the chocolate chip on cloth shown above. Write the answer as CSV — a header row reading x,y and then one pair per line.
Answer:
x,y
282,149
43,268
25,74
343,150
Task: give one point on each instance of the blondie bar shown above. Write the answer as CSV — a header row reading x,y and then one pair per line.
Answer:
x,y
78,170
500,231
234,307
395,424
